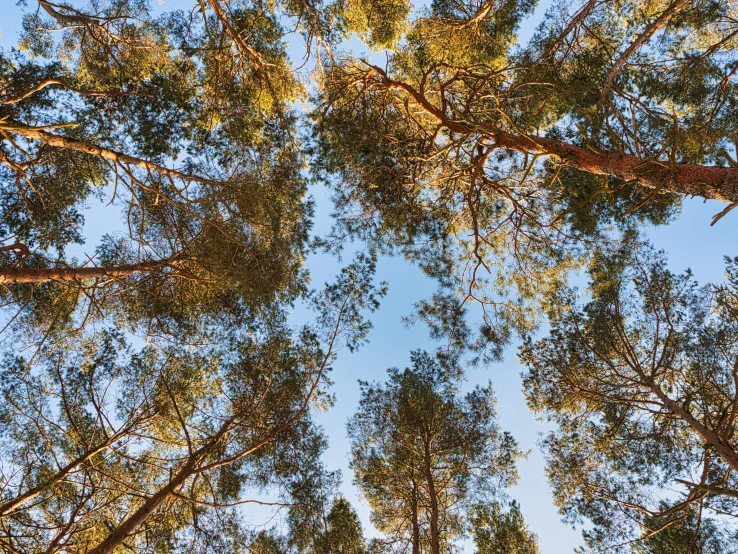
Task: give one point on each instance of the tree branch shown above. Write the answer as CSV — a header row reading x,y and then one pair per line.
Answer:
x,y
659,23
61,82
243,48
31,275
710,182
95,150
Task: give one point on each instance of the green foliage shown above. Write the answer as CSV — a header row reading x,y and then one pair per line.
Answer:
x,y
640,382
466,34
212,185
312,527
380,23
692,535
498,169
502,532
679,74
267,543
157,449
422,453
344,535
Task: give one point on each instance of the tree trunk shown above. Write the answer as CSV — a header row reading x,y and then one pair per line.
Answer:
x,y
73,273
435,538
129,525
18,501
710,182
416,525
135,520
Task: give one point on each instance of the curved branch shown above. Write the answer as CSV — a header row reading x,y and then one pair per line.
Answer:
x,y
48,82
78,17
659,23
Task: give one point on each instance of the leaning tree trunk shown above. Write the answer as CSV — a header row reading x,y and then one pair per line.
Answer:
x,y
709,182
30,275
136,519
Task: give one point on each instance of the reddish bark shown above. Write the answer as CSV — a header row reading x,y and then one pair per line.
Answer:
x,y
710,182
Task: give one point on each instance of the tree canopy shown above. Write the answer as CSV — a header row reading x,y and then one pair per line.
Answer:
x,y
106,449
154,381
499,532
495,166
181,127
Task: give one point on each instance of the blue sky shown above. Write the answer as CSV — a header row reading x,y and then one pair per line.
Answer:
x,y
690,242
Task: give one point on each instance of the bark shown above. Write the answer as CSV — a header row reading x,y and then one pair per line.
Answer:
x,y
480,16
74,273
49,8
435,534
709,182
95,150
19,247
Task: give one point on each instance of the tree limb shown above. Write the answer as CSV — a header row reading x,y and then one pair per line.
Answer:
x,y
44,275
659,23
710,182
58,141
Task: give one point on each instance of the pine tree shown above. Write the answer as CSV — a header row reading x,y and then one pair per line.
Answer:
x,y
184,131
422,453
640,381
497,166
502,532
345,535
105,449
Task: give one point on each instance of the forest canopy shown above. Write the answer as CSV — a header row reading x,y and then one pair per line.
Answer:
x,y
162,371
